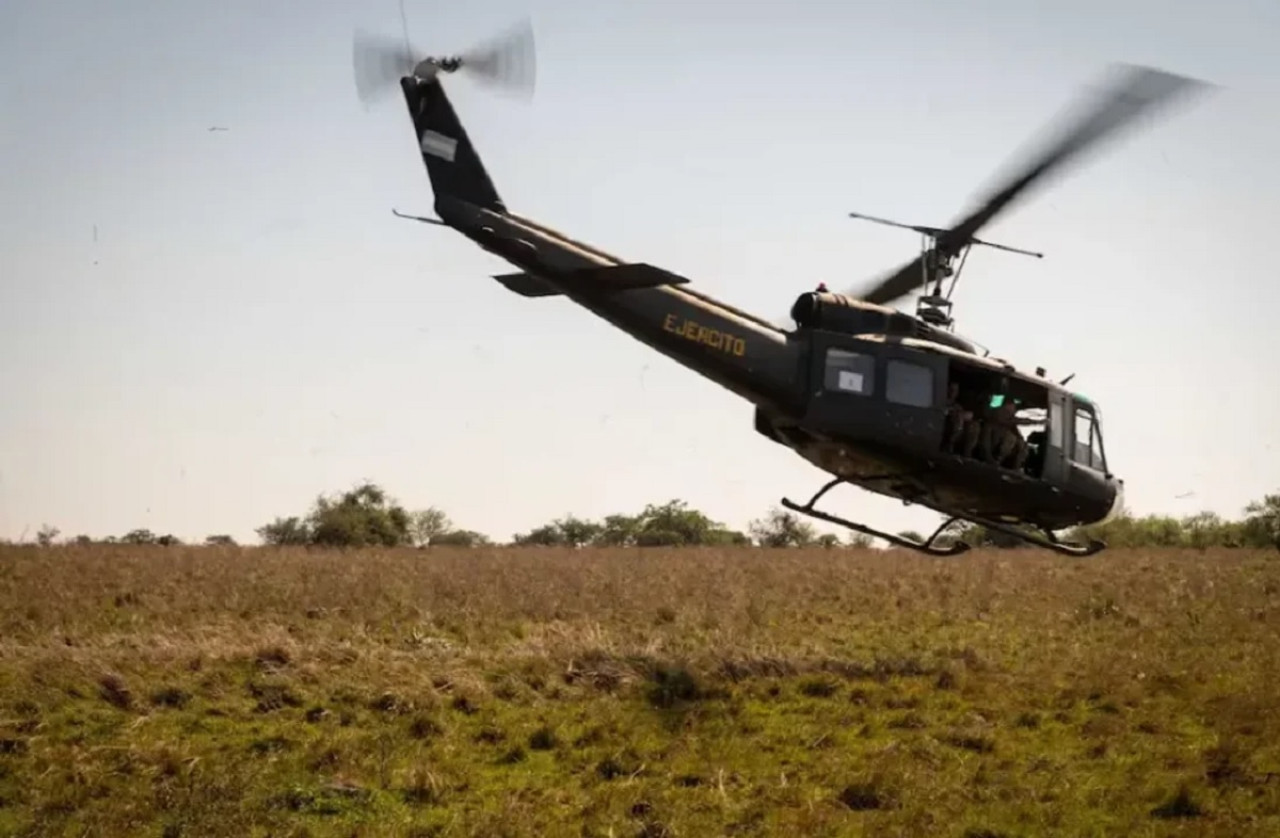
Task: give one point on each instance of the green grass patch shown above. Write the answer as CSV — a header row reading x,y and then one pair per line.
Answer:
x,y
637,693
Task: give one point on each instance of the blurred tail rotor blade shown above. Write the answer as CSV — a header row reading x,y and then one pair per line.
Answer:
x,y
379,63
506,62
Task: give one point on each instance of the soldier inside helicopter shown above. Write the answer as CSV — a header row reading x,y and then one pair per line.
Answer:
x,y
984,417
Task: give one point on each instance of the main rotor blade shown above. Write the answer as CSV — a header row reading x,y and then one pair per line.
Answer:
x,y
1133,91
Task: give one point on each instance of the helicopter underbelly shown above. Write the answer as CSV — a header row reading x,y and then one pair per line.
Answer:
x,y
851,463
949,482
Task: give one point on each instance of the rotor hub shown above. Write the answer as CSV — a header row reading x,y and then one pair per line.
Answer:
x,y
428,68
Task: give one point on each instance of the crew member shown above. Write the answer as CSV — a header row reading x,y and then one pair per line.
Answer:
x,y
959,418
1004,441
976,429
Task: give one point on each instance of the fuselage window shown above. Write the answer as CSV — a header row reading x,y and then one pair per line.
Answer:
x,y
908,384
849,372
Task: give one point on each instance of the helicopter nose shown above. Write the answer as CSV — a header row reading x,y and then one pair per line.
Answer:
x,y
1117,504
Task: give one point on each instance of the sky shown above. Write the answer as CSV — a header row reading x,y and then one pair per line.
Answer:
x,y
202,330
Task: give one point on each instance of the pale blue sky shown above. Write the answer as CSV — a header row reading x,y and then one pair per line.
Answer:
x,y
252,327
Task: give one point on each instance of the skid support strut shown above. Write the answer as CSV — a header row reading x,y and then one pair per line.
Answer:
x,y
927,546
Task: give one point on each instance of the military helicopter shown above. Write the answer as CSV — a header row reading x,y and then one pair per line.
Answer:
x,y
865,392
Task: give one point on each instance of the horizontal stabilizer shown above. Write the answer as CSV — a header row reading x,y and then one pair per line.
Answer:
x,y
526,285
611,278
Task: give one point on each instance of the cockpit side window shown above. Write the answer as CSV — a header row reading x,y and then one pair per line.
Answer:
x,y
1087,450
1096,451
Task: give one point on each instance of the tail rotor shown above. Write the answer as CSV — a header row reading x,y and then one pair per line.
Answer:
x,y
379,62
505,63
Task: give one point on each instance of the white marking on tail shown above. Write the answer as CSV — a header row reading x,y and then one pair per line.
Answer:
x,y
438,145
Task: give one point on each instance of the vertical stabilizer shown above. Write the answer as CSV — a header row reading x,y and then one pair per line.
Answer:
x,y
452,163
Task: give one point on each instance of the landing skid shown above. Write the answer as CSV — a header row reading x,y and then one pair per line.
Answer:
x,y
1048,541
927,546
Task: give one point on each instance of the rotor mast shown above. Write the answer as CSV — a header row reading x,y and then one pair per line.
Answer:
x,y
937,266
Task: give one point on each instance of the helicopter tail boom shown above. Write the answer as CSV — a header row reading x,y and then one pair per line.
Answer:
x,y
743,353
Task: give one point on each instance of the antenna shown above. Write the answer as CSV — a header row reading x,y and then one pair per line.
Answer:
x,y
934,307
404,25
398,214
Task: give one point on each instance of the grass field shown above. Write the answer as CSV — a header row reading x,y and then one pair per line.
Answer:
x,y
224,692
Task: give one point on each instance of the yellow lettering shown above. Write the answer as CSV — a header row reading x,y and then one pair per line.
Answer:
x,y
705,335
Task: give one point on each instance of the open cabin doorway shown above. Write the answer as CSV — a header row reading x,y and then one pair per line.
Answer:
x,y
979,391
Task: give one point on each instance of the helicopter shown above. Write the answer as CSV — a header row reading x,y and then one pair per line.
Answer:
x,y
896,404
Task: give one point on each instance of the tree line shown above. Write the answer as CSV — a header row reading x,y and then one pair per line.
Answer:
x,y
366,516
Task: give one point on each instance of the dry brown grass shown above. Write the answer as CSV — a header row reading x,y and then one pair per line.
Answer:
x,y
218,691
